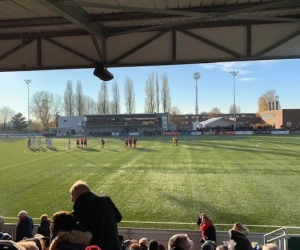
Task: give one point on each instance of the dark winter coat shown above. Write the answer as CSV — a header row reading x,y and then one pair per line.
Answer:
x,y
210,232
98,215
24,229
239,241
44,228
73,240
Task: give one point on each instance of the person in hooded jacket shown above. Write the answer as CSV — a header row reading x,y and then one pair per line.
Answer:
x,y
238,238
64,233
96,214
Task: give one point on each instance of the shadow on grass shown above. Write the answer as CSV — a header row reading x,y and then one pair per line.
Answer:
x,y
53,149
90,149
145,149
218,214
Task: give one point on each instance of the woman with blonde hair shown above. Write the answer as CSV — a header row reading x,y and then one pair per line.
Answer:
x,y
238,238
207,228
44,227
241,228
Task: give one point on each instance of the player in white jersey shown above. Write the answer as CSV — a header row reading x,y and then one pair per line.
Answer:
x,y
39,143
32,141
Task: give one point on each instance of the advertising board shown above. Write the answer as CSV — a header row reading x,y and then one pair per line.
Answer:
x,y
286,132
262,132
244,132
196,133
134,134
171,133
226,133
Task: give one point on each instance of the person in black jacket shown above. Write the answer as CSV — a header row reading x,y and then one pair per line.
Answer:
x,y
210,231
24,227
96,214
44,228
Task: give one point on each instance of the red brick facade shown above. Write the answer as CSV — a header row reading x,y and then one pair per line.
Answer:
x,y
288,118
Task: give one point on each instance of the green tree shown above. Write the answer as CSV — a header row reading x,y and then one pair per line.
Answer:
x,y
18,122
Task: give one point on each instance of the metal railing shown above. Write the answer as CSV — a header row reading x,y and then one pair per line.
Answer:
x,y
280,237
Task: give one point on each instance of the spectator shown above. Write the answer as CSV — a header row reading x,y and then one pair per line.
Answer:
x,y
135,246
97,214
208,245
44,228
179,242
143,242
222,247
64,233
238,240
161,247
3,236
270,247
208,230
24,227
153,245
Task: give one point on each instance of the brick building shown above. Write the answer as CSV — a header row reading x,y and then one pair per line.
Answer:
x,y
288,118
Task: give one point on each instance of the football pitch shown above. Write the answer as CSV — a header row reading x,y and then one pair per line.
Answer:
x,y
250,179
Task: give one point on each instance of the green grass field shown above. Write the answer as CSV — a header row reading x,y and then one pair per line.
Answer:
x,y
254,180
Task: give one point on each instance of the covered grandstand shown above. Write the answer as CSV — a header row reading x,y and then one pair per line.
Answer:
x,y
127,124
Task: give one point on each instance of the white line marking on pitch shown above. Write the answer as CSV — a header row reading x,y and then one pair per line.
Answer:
x,y
30,161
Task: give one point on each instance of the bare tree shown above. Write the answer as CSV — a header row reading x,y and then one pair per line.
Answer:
x,y
69,103
175,116
129,95
157,104
237,109
79,99
264,100
45,106
150,94
103,101
90,106
215,112
6,113
165,94
115,104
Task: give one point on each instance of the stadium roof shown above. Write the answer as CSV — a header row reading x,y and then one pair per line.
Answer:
x,y
211,120
60,34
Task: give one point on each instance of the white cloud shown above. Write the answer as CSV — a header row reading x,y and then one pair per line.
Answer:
x,y
247,79
243,67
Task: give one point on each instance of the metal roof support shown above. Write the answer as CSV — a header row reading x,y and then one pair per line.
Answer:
x,y
71,50
211,43
174,45
214,16
15,49
97,47
39,52
249,40
276,45
130,52
48,34
76,15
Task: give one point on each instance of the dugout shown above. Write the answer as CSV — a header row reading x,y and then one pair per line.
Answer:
x,y
123,124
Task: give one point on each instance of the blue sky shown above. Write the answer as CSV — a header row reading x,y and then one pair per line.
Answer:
x,y
215,88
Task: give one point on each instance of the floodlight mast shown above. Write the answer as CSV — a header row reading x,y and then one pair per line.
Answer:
x,y
234,74
196,76
28,81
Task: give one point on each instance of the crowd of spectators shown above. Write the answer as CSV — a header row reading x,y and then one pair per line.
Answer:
x,y
92,225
